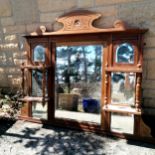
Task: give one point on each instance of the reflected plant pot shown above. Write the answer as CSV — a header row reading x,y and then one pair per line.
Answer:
x,y
68,101
91,105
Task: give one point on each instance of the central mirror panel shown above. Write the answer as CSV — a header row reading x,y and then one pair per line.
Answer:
x,y
78,76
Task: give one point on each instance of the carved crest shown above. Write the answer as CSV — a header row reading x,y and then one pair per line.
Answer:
x,y
78,21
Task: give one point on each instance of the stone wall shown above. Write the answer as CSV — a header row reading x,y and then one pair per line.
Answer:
x,y
19,17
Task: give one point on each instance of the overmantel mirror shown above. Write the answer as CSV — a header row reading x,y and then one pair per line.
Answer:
x,y
84,77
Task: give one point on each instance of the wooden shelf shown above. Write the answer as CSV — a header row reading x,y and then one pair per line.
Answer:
x,y
121,109
121,69
33,99
35,67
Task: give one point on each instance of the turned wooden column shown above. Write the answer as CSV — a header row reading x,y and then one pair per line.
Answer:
x,y
138,93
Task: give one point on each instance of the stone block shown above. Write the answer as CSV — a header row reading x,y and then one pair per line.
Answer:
x,y
9,47
149,53
10,71
108,11
148,84
10,58
19,55
58,5
137,14
3,59
10,38
14,29
35,27
4,80
144,74
151,32
7,21
85,3
25,11
32,27
16,82
149,93
49,17
105,22
107,2
149,103
150,41
5,8
108,17
151,70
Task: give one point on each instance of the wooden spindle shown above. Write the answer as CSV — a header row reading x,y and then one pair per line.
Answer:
x,y
23,77
106,90
138,92
43,82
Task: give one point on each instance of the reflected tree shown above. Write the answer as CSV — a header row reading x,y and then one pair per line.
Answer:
x,y
78,63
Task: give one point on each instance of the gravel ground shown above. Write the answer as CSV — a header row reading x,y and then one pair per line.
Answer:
x,y
25,138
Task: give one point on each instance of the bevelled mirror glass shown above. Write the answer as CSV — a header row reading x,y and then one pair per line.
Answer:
x,y
124,54
39,54
122,123
78,82
37,83
39,110
123,88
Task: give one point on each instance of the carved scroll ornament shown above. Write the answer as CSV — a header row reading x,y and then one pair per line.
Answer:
x,y
80,21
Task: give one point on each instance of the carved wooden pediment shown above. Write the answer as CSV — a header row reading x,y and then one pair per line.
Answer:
x,y
79,22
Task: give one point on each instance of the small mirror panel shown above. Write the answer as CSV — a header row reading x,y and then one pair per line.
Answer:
x,y
37,84
39,54
122,123
124,54
39,110
123,88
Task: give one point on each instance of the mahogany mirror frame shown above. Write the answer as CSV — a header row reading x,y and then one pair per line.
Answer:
x,y
78,29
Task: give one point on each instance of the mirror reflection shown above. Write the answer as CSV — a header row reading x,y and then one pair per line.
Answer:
x,y
125,53
123,88
122,123
39,110
78,82
37,83
39,54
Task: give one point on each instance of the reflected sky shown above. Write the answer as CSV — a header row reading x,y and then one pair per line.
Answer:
x,y
77,58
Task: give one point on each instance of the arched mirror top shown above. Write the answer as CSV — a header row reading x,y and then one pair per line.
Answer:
x,y
39,53
125,53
